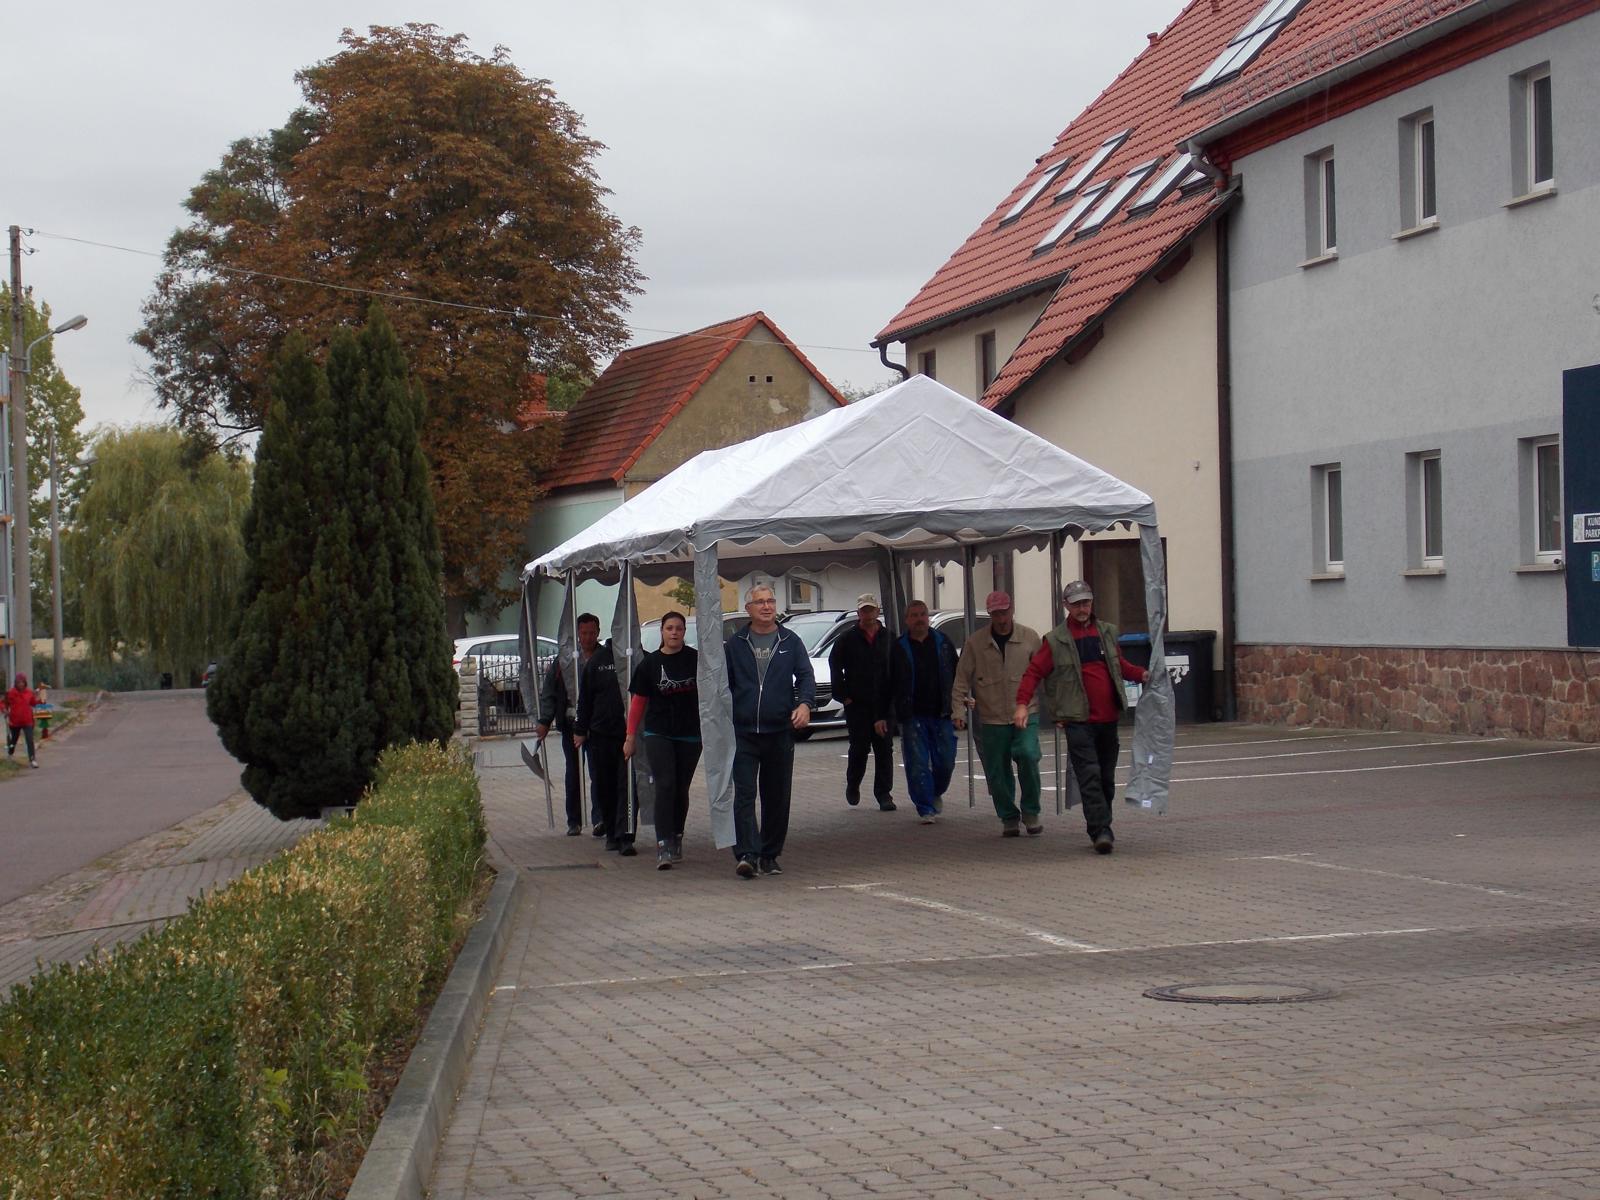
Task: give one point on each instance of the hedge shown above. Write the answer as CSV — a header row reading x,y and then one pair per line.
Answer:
x,y
228,1053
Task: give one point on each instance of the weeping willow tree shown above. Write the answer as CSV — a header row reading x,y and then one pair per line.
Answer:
x,y
156,548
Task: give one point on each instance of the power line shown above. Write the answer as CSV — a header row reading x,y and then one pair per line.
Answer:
x,y
407,298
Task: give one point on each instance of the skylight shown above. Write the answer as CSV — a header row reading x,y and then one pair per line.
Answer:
x,y
1086,172
1071,218
1247,43
1165,182
1113,201
1033,193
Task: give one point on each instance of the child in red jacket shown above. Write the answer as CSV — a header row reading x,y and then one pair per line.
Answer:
x,y
19,717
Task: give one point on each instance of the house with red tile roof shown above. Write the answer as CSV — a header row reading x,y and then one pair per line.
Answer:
x,y
1412,284
1085,307
657,406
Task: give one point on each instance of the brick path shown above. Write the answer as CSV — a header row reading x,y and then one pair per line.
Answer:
x,y
917,1011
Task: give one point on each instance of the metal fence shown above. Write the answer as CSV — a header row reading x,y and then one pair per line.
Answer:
x,y
500,705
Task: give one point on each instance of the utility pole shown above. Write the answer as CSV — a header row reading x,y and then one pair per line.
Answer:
x,y
21,587
55,569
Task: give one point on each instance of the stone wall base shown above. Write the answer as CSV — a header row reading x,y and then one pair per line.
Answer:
x,y
1551,694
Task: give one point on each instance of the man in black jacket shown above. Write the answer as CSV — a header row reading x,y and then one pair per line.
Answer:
x,y
859,666
557,708
923,674
601,728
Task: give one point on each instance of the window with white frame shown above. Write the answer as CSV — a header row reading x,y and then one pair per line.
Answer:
x,y
1419,190
1533,143
1539,472
1322,210
1425,511
1327,519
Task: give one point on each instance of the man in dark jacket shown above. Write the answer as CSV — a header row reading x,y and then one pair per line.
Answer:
x,y
557,708
923,672
601,727
773,691
859,667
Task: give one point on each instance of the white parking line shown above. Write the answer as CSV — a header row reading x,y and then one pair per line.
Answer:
x,y
1051,939
1200,762
1304,860
1449,762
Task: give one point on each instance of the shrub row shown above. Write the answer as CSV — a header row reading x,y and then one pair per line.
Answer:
x,y
228,1054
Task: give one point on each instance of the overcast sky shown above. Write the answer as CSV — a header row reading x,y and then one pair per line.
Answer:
x,y
817,159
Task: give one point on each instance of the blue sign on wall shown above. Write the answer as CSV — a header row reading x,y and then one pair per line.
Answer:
x,y
1580,466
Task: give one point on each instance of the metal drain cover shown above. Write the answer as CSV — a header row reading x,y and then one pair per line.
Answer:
x,y
1238,993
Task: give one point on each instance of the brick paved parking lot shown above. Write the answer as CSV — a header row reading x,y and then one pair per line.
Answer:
x,y
916,1011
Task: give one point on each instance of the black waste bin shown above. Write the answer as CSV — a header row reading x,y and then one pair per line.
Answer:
x,y
1189,665
166,680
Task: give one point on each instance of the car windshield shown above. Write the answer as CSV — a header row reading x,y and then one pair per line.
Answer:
x,y
811,626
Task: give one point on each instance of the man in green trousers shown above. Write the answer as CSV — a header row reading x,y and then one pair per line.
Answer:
x,y
991,667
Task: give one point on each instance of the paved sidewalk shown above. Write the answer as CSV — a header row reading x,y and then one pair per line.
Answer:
x,y
916,1011
143,881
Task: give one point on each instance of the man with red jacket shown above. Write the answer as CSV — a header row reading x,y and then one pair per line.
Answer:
x,y
19,717
1082,670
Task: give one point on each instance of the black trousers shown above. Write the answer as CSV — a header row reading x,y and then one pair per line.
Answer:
x,y
672,765
1093,748
763,764
574,757
609,784
13,732
864,740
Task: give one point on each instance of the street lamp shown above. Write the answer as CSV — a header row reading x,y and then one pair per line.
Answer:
x,y
21,568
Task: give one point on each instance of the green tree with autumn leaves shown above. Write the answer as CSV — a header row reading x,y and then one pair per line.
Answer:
x,y
465,193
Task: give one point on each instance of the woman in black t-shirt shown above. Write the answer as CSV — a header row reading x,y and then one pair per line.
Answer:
x,y
666,703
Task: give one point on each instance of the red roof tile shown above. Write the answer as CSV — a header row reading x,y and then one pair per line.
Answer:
x,y
606,431
1086,275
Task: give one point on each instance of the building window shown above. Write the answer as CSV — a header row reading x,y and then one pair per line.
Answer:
x,y
927,364
1539,470
988,366
1327,516
1246,44
1322,212
1419,191
1425,511
1533,142
1033,192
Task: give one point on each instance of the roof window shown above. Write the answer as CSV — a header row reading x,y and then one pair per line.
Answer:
x,y
1153,195
1086,172
1113,201
1072,216
1247,43
1034,192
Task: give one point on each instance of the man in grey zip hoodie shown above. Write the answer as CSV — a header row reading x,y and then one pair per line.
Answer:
x,y
774,691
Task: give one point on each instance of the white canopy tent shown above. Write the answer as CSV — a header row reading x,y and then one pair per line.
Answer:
x,y
915,473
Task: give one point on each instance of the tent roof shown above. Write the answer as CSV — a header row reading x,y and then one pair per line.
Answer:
x,y
915,465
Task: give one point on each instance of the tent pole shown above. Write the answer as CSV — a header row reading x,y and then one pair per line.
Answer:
x,y
969,563
632,822
529,648
577,686
1057,615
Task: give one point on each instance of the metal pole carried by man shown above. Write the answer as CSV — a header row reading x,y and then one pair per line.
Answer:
x,y
992,664
1082,669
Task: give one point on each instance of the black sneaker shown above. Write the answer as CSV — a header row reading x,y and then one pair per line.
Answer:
x,y
1103,842
663,855
852,799
769,866
599,831
677,849
886,804
574,830
746,869
627,850
613,844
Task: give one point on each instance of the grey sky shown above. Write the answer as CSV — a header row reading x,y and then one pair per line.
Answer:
x,y
817,160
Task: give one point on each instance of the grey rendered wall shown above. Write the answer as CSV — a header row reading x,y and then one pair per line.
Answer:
x,y
1453,340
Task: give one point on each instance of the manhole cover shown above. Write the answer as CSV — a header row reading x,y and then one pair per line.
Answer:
x,y
1238,993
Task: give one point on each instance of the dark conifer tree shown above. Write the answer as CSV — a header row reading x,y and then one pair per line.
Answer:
x,y
340,649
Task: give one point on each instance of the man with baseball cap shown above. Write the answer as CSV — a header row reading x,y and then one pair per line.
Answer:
x,y
987,677
1082,669
859,666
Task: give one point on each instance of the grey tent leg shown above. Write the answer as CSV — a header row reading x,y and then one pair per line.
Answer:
x,y
716,704
1057,615
575,685
529,680
969,562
